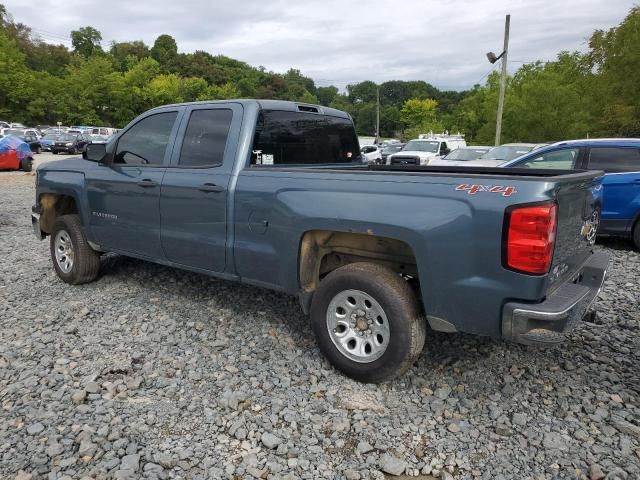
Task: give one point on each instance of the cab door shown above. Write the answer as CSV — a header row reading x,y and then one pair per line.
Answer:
x,y
194,194
124,193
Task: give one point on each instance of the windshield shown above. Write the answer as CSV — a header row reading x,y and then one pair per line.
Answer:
x,y
14,131
465,154
51,136
67,138
506,152
421,146
392,148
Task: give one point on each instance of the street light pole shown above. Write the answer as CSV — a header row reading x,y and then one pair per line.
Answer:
x,y
503,79
377,115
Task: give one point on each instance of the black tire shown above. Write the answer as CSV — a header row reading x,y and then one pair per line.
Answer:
x,y
86,261
407,325
26,164
55,152
73,151
636,234
39,150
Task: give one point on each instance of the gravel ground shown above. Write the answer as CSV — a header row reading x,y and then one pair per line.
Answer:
x,y
151,372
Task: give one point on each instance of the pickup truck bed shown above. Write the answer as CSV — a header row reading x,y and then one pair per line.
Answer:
x,y
464,247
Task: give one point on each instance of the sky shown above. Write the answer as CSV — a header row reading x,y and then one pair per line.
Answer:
x,y
338,42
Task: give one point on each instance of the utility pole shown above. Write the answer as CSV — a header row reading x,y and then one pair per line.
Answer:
x,y
377,115
503,79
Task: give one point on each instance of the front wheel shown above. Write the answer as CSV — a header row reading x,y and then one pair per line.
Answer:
x,y
74,260
73,151
367,322
38,149
55,152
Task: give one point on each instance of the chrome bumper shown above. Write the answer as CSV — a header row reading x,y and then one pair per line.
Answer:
x,y
548,321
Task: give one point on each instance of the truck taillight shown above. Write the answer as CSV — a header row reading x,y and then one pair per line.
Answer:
x,y
530,238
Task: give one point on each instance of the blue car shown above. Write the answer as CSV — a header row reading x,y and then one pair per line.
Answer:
x,y
620,160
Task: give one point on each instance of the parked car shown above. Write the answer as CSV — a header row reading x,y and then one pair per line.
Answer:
x,y
371,153
48,140
103,131
100,139
15,154
489,251
72,143
56,130
33,141
504,153
4,124
390,149
462,156
619,158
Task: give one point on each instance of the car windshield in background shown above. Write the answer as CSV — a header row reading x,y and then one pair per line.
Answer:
x,y
300,138
51,136
67,138
465,154
13,131
421,146
506,152
392,148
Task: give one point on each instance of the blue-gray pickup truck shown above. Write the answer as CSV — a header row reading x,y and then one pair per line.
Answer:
x,y
275,194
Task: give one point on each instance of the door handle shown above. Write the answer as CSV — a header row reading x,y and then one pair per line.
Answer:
x,y
146,183
211,187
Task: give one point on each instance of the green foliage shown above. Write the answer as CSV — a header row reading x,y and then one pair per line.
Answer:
x,y
86,41
420,116
165,52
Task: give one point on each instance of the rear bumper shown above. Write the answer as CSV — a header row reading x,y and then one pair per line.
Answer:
x,y
548,321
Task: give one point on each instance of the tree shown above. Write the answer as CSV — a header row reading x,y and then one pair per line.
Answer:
x,y
420,116
363,92
326,94
121,52
86,41
165,52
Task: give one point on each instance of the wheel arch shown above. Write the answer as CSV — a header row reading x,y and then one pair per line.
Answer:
x,y
53,205
322,251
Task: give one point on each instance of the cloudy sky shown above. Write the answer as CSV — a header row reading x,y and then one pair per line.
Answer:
x,y
342,41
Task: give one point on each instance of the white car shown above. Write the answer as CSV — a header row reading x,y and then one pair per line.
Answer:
x,y
372,153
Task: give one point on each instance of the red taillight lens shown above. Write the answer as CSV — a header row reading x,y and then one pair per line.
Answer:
x,y
531,234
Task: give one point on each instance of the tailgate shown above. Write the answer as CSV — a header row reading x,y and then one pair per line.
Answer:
x,y
578,219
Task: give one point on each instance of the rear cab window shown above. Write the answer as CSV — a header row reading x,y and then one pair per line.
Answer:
x,y
614,159
302,138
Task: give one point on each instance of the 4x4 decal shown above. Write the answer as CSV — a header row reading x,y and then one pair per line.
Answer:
x,y
473,189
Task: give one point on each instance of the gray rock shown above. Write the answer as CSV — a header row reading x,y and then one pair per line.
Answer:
x,y
35,428
392,465
78,396
363,447
270,440
130,462
164,459
92,387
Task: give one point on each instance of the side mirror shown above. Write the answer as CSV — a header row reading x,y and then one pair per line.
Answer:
x,y
95,152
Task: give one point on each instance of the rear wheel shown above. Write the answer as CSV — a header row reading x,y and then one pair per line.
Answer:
x,y
636,234
38,149
74,260
73,151
367,322
26,164
55,152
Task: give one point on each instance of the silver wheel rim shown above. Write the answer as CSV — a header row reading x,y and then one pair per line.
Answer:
x,y
358,326
64,251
